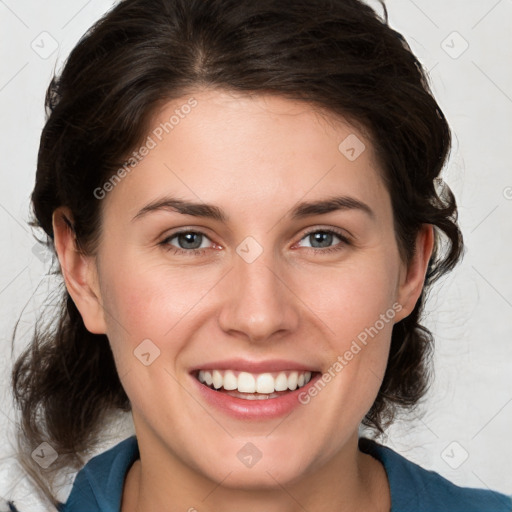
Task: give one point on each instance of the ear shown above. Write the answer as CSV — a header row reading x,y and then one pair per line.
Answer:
x,y
412,277
79,272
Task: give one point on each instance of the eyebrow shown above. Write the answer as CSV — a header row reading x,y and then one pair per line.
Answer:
x,y
301,210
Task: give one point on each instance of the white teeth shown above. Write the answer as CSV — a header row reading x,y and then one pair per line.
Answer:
x,y
264,383
217,379
208,378
292,380
230,381
253,396
246,383
281,383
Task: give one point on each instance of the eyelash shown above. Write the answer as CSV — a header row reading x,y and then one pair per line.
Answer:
x,y
199,252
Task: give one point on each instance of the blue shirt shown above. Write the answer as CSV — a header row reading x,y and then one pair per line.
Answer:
x,y
98,486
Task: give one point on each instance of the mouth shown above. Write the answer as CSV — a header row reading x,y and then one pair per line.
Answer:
x,y
254,386
250,390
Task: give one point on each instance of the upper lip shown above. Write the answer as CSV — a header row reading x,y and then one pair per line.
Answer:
x,y
271,365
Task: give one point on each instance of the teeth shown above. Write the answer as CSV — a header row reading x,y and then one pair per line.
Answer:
x,y
217,379
230,381
281,383
208,378
244,382
292,380
265,383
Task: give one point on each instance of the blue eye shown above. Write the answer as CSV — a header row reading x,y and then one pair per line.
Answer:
x,y
190,242
321,240
195,243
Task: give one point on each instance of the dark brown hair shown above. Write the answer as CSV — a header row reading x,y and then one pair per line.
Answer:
x,y
337,55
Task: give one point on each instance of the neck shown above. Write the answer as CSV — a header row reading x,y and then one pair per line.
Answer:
x,y
351,481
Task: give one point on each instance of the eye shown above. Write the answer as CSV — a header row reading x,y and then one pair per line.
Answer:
x,y
322,239
195,243
186,242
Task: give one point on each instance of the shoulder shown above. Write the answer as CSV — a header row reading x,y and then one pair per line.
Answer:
x,y
99,484
421,490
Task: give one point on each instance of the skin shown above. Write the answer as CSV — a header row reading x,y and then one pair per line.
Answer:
x,y
255,157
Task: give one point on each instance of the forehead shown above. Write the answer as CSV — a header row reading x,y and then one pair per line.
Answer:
x,y
249,151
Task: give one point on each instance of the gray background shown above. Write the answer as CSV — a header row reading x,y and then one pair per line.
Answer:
x,y
462,430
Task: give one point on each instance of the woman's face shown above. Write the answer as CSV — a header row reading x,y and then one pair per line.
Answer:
x,y
262,283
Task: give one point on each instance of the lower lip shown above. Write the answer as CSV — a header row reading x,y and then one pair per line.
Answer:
x,y
254,409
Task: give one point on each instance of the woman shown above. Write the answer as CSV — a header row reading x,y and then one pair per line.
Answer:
x,y
243,198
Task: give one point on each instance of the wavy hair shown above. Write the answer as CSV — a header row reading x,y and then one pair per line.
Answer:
x,y
339,56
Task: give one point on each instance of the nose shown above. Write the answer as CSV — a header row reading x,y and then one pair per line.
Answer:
x,y
259,303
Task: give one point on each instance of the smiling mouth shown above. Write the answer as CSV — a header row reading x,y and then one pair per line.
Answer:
x,y
251,386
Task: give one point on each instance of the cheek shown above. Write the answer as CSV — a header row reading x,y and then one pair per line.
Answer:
x,y
359,306
352,298
149,299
